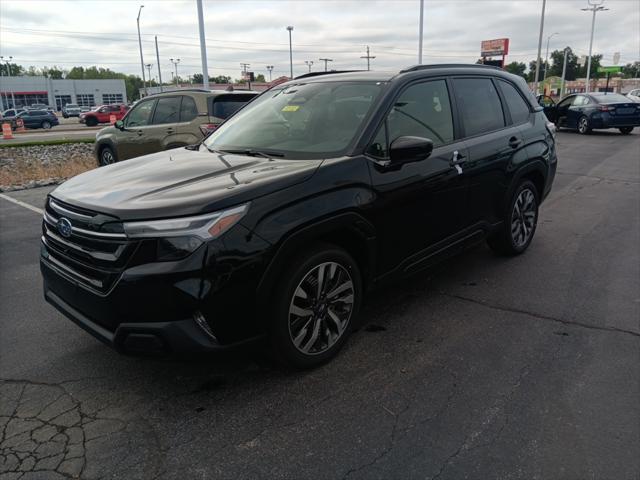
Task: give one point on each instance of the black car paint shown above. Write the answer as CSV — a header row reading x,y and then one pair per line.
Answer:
x,y
394,220
36,118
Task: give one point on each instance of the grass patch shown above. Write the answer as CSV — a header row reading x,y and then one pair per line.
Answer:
x,y
47,142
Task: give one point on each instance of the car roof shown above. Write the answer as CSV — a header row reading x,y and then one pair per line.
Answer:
x,y
203,92
412,71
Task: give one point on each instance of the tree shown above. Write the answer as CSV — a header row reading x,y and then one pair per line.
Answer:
x,y
220,79
53,72
517,68
595,64
260,78
557,60
631,70
13,67
531,77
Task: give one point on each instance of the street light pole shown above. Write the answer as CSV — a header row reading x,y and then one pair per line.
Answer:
x,y
594,6
144,80
290,29
325,60
546,59
535,86
421,32
175,64
149,65
158,60
203,47
270,68
564,71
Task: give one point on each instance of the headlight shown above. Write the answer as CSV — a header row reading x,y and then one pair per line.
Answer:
x,y
176,248
205,227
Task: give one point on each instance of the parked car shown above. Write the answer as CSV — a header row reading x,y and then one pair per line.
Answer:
x,y
71,110
11,113
275,225
598,110
102,114
634,95
167,120
84,109
36,119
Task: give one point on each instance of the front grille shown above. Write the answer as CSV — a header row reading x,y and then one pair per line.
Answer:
x,y
96,251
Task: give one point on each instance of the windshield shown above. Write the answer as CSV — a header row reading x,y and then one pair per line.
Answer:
x,y
314,120
71,105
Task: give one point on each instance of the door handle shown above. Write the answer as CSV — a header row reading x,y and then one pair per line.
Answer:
x,y
139,132
457,158
170,130
515,142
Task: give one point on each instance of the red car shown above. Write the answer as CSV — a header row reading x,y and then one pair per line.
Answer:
x,y
102,114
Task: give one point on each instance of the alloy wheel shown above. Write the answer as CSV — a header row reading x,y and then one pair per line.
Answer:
x,y
523,218
321,308
107,157
583,125
46,125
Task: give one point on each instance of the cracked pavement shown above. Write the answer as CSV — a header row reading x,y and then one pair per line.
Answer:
x,y
485,367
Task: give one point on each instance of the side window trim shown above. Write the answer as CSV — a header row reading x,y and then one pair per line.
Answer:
x,y
153,111
506,112
395,97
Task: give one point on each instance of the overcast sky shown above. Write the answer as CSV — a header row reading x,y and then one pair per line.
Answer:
x,y
103,32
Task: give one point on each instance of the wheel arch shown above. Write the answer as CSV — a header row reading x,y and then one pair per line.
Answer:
x,y
348,230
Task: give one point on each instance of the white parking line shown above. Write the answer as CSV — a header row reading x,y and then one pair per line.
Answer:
x,y
22,204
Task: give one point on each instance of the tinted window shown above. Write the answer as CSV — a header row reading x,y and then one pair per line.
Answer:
x,y
611,98
378,147
479,105
517,106
580,100
422,110
141,114
188,111
224,106
167,110
566,102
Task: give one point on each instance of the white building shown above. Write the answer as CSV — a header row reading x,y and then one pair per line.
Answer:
x,y
25,91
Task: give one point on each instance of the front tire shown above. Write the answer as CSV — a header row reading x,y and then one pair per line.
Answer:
x,y
107,157
519,225
626,130
584,127
318,300
91,122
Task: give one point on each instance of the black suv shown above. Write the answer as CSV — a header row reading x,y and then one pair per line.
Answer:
x,y
314,193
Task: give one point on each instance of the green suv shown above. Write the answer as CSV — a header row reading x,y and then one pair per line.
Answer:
x,y
167,120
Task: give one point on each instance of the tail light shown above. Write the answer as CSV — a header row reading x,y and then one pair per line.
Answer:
x,y
605,108
207,128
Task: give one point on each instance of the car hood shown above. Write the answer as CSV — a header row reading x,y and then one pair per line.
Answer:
x,y
180,182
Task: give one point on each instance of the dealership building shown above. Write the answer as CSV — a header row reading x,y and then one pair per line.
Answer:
x,y
25,91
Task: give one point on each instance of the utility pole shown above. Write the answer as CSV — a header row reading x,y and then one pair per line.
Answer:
x,y
6,95
564,71
270,68
421,32
368,57
203,47
537,77
245,66
594,6
13,99
149,65
144,80
309,64
546,58
158,60
325,60
175,64
290,29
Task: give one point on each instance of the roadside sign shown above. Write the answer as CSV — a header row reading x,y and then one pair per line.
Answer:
x,y
609,69
496,47
6,131
582,60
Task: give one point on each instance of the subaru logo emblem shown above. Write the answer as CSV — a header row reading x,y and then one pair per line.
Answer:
x,y
64,227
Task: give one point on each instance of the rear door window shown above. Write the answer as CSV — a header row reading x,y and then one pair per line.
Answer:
x,y
517,106
223,106
188,110
479,105
167,110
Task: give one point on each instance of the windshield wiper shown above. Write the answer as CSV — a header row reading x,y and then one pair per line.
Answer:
x,y
254,153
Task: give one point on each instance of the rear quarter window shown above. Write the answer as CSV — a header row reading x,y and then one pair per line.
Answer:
x,y
515,103
223,106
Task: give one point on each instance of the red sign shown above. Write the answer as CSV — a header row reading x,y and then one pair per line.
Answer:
x,y
493,48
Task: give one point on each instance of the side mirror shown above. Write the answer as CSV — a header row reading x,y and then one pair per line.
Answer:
x,y
119,125
409,149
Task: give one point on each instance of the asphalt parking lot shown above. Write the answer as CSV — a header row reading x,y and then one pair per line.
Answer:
x,y
484,368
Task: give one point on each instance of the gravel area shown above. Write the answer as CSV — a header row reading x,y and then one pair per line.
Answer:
x,y
40,165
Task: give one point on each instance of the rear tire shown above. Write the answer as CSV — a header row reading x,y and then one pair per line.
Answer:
x,y
584,127
46,125
308,325
107,157
91,122
626,130
520,222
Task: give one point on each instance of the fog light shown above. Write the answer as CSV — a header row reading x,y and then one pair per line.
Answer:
x,y
202,323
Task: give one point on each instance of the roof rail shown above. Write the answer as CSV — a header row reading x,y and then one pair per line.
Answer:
x,y
415,68
315,74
